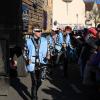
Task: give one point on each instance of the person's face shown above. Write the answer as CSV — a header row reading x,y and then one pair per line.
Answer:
x,y
53,32
37,34
98,29
60,30
98,33
67,31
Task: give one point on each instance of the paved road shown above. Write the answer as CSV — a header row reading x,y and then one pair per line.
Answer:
x,y
56,87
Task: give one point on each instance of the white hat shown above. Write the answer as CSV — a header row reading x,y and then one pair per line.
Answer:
x,y
54,28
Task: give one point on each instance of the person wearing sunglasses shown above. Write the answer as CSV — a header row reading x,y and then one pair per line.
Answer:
x,y
36,51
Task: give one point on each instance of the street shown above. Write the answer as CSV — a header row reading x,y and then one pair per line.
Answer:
x,y
35,33
55,87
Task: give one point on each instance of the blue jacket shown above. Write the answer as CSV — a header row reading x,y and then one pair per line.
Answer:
x,y
31,52
68,40
59,39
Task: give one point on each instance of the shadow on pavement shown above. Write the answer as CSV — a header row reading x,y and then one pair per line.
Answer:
x,y
20,87
69,88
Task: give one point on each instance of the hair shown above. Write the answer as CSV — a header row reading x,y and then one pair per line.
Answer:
x,y
36,26
98,26
68,28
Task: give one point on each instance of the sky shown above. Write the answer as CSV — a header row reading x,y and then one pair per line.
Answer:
x,y
97,1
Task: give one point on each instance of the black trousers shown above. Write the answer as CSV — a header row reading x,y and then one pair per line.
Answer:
x,y
65,64
36,82
64,60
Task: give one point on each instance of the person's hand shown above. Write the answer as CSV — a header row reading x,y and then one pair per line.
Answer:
x,y
64,45
28,61
48,57
13,64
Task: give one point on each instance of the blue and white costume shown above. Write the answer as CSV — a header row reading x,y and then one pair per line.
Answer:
x,y
31,53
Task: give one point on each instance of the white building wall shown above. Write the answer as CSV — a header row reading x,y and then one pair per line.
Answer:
x,y
75,14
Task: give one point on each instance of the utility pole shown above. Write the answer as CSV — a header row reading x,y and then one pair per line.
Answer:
x,y
67,8
77,18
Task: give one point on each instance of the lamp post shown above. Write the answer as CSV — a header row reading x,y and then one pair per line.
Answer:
x,y
77,18
67,7
67,1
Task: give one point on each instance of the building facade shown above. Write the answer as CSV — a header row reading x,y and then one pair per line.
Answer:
x,y
17,18
32,13
48,5
69,13
39,11
92,12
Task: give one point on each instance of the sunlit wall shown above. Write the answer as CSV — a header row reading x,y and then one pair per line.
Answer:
x,y
71,13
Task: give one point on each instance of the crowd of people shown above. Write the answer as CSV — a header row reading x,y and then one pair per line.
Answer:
x,y
61,47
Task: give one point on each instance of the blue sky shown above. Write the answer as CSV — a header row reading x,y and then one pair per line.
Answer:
x,y
97,1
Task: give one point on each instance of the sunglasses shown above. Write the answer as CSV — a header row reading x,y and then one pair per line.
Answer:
x,y
38,31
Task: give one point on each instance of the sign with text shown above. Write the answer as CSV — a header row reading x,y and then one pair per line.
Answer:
x,y
25,18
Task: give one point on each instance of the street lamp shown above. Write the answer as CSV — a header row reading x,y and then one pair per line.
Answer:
x,y
77,18
67,1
